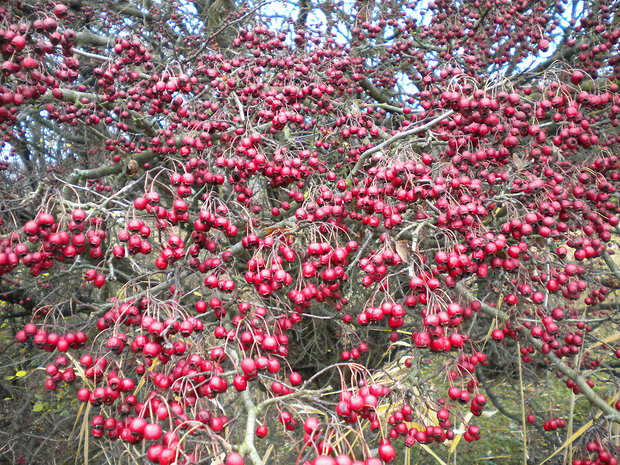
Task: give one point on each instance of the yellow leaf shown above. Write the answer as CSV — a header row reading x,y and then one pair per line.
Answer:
x,y
430,451
20,374
579,432
575,435
413,424
79,370
77,417
142,381
458,437
268,453
403,344
308,410
607,340
383,408
85,432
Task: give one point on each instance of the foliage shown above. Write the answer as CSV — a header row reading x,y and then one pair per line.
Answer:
x,y
314,233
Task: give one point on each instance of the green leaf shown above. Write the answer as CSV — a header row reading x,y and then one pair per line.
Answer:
x,y
38,407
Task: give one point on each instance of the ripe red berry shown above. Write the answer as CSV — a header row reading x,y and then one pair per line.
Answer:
x,y
234,458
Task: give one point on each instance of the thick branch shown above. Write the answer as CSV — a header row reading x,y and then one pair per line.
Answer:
x,y
69,95
128,9
304,11
611,264
250,427
89,38
374,91
102,171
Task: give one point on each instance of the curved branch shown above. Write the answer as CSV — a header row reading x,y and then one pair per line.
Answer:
x,y
496,402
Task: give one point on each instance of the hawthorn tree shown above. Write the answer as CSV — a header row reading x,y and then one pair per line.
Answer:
x,y
325,227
